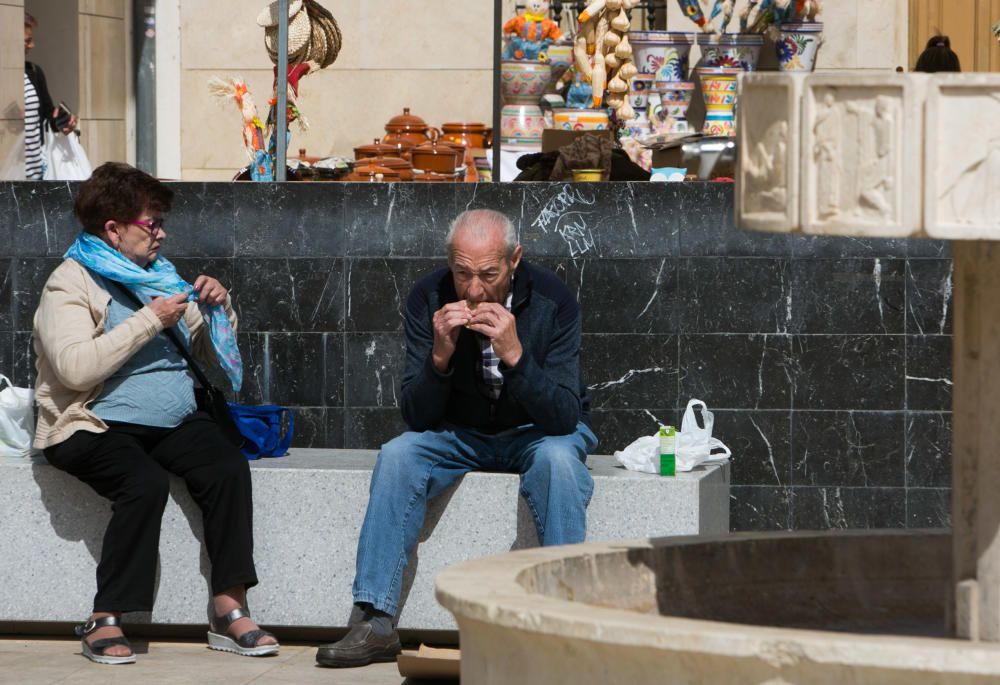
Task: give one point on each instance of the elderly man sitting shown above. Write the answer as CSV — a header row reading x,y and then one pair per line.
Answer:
x,y
492,382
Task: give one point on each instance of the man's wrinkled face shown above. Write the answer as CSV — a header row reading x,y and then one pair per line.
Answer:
x,y
480,266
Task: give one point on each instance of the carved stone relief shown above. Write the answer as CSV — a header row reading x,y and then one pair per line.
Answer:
x,y
860,155
962,185
769,151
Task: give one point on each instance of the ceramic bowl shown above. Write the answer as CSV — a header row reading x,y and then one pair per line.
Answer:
x,y
580,119
661,53
523,82
639,89
521,124
731,51
588,175
798,45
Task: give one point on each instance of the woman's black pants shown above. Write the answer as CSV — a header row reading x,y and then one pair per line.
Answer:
x,y
129,465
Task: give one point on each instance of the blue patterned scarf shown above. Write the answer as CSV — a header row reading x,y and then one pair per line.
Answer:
x,y
160,279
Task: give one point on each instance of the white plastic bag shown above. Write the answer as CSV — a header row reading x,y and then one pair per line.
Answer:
x,y
695,444
642,455
17,419
65,159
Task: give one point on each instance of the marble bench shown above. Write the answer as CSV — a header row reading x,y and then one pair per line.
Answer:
x,y
308,512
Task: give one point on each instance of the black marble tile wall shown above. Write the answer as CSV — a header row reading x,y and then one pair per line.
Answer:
x,y
827,361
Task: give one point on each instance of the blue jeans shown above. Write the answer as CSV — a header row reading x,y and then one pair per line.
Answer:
x,y
415,467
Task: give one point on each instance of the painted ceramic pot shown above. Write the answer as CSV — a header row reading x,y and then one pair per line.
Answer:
x,y
675,98
523,82
798,45
639,89
661,53
521,124
638,127
731,51
580,119
560,57
718,87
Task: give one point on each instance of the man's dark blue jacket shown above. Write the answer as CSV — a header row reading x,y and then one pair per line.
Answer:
x,y
545,387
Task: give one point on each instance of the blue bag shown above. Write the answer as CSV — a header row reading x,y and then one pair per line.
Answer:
x,y
261,429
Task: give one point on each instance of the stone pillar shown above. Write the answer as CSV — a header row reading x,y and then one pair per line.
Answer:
x,y
976,459
11,88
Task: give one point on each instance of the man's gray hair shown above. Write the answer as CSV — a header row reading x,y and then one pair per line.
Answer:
x,y
482,222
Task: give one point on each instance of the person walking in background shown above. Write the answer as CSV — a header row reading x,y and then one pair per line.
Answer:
x,y
38,108
938,56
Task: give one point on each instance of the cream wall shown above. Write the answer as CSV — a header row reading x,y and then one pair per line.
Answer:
x,y
104,86
433,56
11,87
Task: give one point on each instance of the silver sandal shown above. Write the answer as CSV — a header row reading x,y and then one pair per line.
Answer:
x,y
246,644
95,651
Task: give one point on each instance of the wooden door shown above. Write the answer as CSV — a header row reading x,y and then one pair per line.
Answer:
x,y
967,22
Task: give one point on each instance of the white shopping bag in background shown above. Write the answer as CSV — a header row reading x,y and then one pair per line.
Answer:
x,y
65,159
17,419
695,444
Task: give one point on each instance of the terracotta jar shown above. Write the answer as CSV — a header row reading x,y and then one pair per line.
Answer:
x,y
437,156
372,173
376,149
470,135
397,164
408,127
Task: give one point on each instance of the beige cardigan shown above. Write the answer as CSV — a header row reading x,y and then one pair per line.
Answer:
x,y
75,354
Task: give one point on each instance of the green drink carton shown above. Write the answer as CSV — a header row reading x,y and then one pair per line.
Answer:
x,y
668,444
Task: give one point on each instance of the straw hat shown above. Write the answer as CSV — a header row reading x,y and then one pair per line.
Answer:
x,y
299,30
313,34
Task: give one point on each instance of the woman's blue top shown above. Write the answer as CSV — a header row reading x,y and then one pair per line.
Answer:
x,y
154,387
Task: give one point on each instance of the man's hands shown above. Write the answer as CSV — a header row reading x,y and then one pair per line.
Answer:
x,y
487,318
448,323
496,323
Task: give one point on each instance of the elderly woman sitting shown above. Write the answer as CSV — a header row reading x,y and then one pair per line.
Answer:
x,y
117,408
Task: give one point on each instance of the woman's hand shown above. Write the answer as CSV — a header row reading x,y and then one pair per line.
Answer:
x,y
209,290
169,309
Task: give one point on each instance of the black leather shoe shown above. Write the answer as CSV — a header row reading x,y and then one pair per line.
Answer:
x,y
360,647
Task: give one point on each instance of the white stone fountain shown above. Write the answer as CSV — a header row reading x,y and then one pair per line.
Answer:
x,y
843,154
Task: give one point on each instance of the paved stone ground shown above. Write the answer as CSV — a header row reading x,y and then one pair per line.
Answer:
x,y
44,661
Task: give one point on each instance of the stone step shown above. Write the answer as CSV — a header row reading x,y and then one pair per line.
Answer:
x,y
308,509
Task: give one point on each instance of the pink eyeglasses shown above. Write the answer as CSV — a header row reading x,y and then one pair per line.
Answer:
x,y
152,227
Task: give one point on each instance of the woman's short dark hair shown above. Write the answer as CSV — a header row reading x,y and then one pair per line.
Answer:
x,y
938,56
119,192
30,21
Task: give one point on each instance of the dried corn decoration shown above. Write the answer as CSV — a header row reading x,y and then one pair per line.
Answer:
x,y
603,54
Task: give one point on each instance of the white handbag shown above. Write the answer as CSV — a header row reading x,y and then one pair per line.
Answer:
x,y
17,419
